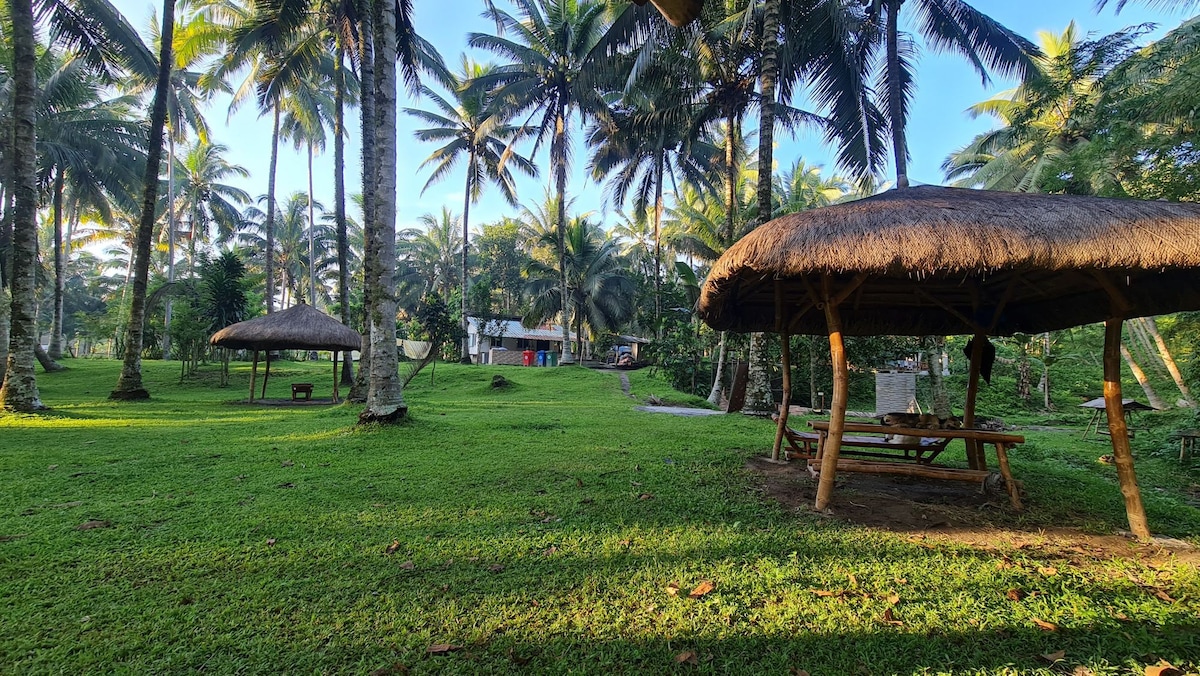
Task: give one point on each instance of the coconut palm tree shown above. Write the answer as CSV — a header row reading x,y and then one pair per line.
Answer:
x,y
205,197
803,187
435,251
555,67
469,131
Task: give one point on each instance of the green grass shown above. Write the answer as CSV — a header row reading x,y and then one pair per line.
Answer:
x,y
538,528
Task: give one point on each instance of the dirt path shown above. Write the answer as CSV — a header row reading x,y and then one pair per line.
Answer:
x,y
625,384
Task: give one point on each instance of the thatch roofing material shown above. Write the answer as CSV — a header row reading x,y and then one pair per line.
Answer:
x,y
932,256
300,327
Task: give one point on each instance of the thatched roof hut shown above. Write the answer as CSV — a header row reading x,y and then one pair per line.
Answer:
x,y
943,260
300,327
934,261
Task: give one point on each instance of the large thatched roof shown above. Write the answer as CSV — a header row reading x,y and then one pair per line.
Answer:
x,y
300,327
940,260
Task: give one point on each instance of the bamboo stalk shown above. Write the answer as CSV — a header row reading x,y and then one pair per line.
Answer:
x,y
1118,431
781,325
266,376
837,410
975,457
253,375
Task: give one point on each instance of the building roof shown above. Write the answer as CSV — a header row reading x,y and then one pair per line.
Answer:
x,y
511,328
300,327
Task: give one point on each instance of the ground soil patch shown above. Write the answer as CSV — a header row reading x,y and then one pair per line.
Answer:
x,y
946,511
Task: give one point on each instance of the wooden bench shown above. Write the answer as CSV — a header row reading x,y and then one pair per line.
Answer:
x,y
302,388
1001,442
807,445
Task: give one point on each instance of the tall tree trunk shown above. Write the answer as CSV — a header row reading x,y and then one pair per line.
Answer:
x,y
5,323
730,182
60,273
129,384
941,400
714,395
465,357
1046,372
7,182
760,400
814,361
1024,373
766,121
558,156
1146,350
339,196
1140,375
1164,353
270,253
312,225
358,392
170,240
658,214
385,395
895,95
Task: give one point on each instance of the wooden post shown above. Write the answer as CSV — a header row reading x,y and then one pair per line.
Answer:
x,y
1118,431
266,376
781,326
975,459
1002,458
837,409
253,375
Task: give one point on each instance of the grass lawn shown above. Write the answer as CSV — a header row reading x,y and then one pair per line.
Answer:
x,y
544,527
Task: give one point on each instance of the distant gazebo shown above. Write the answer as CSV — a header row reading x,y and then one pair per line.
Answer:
x,y
299,327
930,260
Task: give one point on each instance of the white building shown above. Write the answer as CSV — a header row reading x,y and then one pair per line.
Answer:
x,y
503,341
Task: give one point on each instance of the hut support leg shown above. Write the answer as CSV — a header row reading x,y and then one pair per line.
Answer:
x,y
975,457
266,376
335,377
253,375
781,327
1119,432
837,410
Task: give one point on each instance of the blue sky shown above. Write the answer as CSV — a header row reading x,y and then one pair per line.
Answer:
x,y
946,86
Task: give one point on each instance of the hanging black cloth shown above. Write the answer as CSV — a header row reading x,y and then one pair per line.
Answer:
x,y
989,358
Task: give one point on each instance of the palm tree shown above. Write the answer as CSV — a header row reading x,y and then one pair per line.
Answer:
x,y
555,67
802,187
129,384
293,248
435,252
468,129
599,292
950,25
205,197
19,391
1049,118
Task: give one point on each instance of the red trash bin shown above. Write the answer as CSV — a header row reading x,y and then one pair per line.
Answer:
x,y
527,358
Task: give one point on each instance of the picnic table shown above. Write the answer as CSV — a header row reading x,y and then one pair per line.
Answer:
x,y
902,463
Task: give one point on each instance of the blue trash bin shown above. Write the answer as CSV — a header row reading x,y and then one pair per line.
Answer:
x,y
541,357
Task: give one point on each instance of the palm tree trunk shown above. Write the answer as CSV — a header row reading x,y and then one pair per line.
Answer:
x,y
170,239
895,96
312,225
714,395
1140,375
270,227
385,394
1046,371
5,323
1151,327
19,391
129,384
56,322
339,198
766,123
465,358
760,401
558,153
941,401
358,392
730,182
658,214
7,183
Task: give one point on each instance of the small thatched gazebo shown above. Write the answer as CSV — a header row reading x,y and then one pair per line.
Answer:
x,y
299,327
935,261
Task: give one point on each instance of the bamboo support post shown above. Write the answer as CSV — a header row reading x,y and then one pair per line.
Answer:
x,y
335,376
975,459
837,410
781,325
253,375
266,376
1013,494
1118,431
912,470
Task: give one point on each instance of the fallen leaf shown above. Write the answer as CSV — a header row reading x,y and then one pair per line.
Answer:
x,y
624,543
442,648
94,523
1044,625
52,467
797,672
646,496
270,542
702,589
1015,594
287,463
1048,571
1081,670
672,589
893,599
889,618
10,538
495,568
687,657
550,551
391,549
378,504
1163,596
825,592
1054,656
1003,564
408,565
1164,669
853,580
286,484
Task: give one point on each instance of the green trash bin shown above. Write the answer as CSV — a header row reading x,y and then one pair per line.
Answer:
x,y
551,358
